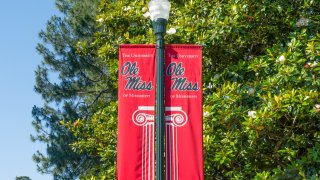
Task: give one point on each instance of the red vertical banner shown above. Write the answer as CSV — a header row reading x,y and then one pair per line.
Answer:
x,y
135,151
136,112
183,101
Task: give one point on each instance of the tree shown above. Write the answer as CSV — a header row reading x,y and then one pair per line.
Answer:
x,y
69,83
22,178
98,137
261,83
262,116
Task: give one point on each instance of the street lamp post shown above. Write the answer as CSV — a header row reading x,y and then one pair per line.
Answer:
x,y
159,14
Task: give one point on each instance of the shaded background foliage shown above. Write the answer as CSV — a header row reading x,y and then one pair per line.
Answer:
x,y
65,81
261,82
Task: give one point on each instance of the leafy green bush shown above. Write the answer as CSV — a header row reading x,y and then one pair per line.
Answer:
x,y
261,83
264,114
97,138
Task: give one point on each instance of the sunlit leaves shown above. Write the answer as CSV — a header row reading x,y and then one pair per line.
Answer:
x,y
260,74
268,104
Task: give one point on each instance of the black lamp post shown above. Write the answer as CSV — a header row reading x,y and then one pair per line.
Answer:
x,y
159,13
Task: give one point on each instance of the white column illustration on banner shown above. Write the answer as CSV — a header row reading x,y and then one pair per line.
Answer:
x,y
144,117
176,118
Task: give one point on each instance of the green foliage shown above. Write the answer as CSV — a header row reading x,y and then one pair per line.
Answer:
x,y
68,83
261,78
97,137
22,178
263,115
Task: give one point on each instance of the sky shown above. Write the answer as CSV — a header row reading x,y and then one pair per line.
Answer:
x,y
20,23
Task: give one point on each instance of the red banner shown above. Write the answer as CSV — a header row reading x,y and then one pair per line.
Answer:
x,y
135,151
183,121
183,101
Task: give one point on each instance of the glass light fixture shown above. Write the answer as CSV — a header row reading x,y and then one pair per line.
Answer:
x,y
159,9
